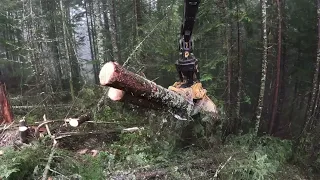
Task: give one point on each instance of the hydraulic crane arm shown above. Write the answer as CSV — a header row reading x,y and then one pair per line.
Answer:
x,y
189,17
187,65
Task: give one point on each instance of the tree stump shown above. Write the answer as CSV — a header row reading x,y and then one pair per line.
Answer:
x,y
6,115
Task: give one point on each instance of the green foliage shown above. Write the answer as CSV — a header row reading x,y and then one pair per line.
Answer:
x,y
88,96
88,167
21,164
256,165
255,158
133,149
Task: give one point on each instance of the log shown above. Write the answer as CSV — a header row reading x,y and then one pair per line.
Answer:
x,y
126,85
75,122
6,115
114,75
121,96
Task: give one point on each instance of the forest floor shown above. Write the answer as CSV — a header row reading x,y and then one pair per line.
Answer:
x,y
102,150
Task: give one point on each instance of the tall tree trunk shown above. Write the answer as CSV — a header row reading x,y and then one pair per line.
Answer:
x,y
93,32
263,65
64,30
229,63
239,78
284,71
138,17
113,30
94,65
53,36
228,68
315,83
99,32
275,98
107,44
72,45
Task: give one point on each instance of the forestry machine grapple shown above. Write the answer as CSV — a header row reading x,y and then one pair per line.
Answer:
x,y
187,66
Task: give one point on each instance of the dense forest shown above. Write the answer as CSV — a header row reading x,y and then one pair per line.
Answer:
x,y
259,62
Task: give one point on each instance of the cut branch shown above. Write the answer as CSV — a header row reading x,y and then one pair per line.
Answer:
x,y
42,106
107,131
75,122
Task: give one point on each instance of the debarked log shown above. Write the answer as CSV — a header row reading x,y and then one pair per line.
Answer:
x,y
126,85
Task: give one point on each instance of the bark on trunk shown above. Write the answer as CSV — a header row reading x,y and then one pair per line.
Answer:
x,y
229,66
284,71
263,65
90,35
113,30
275,99
6,115
239,78
99,32
143,90
121,96
64,33
315,82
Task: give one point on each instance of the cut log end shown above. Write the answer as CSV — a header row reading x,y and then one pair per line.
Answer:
x,y
106,73
74,122
115,94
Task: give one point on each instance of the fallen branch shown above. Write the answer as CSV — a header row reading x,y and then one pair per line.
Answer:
x,y
42,106
47,168
6,126
37,129
75,122
47,127
221,166
108,131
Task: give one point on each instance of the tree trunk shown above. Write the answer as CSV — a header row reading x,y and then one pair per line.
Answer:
x,y
64,29
315,83
99,32
74,61
113,30
284,69
229,63
275,98
237,120
53,36
6,115
263,65
94,65
107,44
114,75
138,17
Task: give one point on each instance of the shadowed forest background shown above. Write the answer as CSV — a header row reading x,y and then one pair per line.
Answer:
x,y
259,61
